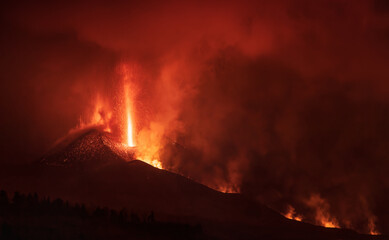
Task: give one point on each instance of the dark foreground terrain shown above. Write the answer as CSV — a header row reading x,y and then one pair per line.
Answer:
x,y
31,217
91,169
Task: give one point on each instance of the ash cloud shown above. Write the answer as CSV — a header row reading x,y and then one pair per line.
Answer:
x,y
281,101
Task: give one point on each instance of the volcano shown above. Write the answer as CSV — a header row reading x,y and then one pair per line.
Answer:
x,y
87,148
91,167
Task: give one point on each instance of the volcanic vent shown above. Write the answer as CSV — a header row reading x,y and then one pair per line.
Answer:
x,y
88,147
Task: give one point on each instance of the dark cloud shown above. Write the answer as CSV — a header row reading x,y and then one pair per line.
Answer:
x,y
44,77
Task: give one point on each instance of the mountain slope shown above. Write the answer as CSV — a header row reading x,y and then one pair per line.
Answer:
x,y
91,168
87,147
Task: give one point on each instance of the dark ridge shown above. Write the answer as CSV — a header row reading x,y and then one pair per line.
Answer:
x,y
99,172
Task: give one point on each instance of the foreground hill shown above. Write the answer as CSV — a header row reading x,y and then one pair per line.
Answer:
x,y
32,217
91,168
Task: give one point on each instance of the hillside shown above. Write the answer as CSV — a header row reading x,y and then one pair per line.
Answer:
x,y
92,169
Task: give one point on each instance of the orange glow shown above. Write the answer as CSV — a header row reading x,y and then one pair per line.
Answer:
x,y
322,208
226,189
372,226
101,115
147,141
291,214
298,218
329,223
149,145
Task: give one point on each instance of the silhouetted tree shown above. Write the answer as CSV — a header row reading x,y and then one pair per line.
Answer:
x,y
51,218
17,199
6,231
45,204
97,212
100,213
83,211
4,203
3,198
36,198
80,210
123,216
150,218
134,218
114,216
58,203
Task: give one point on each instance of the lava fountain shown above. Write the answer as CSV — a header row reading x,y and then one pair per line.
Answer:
x,y
130,125
145,147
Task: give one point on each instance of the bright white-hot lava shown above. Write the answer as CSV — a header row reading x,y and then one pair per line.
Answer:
x,y
130,126
145,143
130,138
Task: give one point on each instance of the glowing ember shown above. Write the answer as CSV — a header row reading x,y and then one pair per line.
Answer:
x,y
328,223
225,189
298,218
322,207
372,226
291,214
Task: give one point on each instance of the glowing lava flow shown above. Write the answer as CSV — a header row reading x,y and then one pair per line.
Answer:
x,y
291,214
322,208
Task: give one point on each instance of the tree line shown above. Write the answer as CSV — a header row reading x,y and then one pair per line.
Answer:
x,y
28,216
